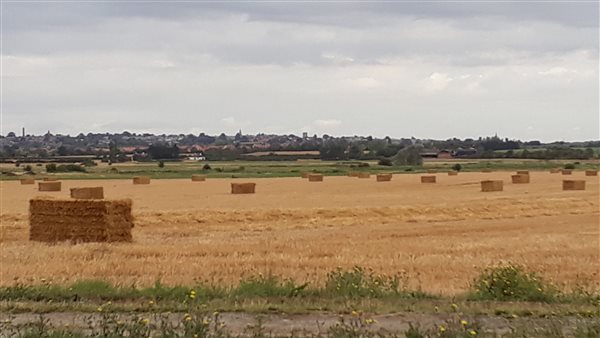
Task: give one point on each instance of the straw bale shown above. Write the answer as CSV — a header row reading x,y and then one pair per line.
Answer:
x,y
88,193
554,171
522,172
76,220
49,186
353,174
520,178
364,175
428,179
27,181
591,173
198,178
452,173
567,171
305,174
384,177
243,188
492,185
315,178
141,180
49,179
573,184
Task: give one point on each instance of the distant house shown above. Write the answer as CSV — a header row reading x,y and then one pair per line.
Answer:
x,y
444,154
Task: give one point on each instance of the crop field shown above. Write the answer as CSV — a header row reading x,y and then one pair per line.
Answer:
x,y
437,236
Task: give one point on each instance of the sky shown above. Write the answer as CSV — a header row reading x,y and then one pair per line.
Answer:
x,y
522,70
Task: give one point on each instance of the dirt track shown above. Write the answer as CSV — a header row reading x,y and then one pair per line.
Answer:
x,y
441,234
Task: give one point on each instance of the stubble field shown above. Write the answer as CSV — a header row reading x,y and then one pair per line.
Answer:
x,y
440,235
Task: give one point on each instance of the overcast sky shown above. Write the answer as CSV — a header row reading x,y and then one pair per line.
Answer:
x,y
429,70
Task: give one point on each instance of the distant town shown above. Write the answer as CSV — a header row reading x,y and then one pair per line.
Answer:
x,y
126,146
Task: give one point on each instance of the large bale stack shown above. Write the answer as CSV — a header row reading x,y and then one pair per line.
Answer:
x,y
198,178
573,185
88,193
492,185
520,178
567,171
452,173
315,177
141,180
49,186
364,175
554,171
49,179
243,188
384,177
522,172
591,173
55,220
27,181
428,179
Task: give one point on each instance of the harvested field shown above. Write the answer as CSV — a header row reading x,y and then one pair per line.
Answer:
x,y
315,178
443,232
88,193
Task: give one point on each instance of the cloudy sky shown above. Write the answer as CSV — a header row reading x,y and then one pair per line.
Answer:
x,y
429,70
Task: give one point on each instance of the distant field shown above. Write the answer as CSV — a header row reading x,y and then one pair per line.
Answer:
x,y
242,169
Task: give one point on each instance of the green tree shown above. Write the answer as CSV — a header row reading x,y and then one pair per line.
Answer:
x,y
410,155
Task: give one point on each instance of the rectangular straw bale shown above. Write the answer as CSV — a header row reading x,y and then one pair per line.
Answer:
x,y
591,173
522,172
315,178
554,171
364,175
88,193
27,181
452,173
384,177
141,180
243,188
198,178
49,179
428,179
49,186
520,178
492,185
566,171
76,220
352,174
573,185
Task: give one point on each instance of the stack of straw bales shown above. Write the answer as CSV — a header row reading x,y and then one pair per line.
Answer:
x,y
352,174
88,193
573,185
522,172
198,178
452,173
27,181
384,177
520,178
364,175
591,173
53,220
315,177
243,188
428,179
492,185
49,186
566,171
141,180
